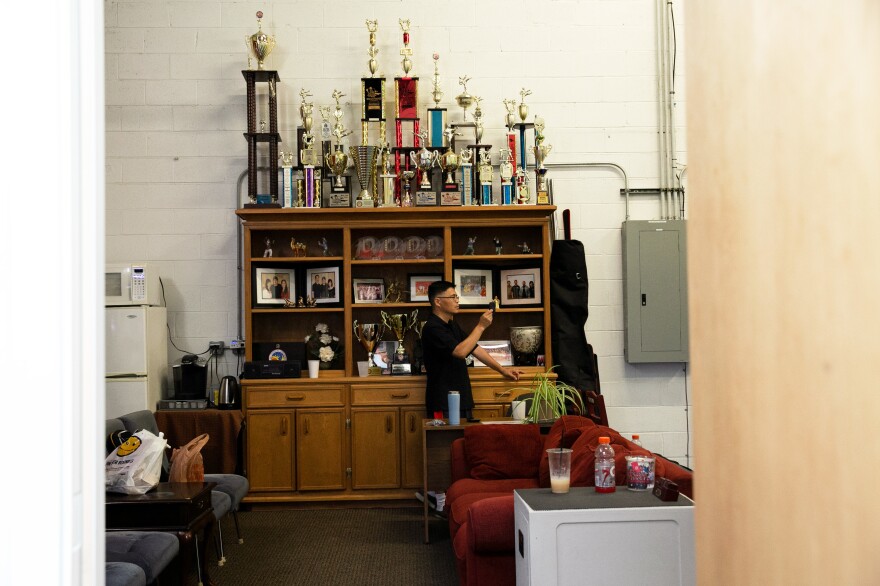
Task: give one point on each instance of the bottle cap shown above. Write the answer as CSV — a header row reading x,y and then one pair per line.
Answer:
x,y
635,436
453,392
604,440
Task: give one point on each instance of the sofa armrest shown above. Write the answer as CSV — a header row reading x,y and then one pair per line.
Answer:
x,y
491,525
460,468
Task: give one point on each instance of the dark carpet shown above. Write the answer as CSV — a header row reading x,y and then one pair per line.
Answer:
x,y
335,547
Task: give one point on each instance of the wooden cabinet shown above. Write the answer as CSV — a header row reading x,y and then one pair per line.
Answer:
x,y
342,437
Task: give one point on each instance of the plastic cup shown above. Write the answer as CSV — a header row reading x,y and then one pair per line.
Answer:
x,y
314,367
640,473
560,469
363,368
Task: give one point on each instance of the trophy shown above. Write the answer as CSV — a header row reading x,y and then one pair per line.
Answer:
x,y
510,119
407,176
523,193
541,152
436,115
287,184
449,161
406,52
399,324
364,158
478,120
372,92
337,161
372,26
369,335
424,160
418,349
464,99
505,170
260,43
523,108
308,156
388,178
485,178
467,177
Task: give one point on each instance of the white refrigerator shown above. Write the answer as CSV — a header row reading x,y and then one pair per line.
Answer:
x,y
136,340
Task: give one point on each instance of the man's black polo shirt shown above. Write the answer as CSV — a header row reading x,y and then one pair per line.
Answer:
x,y
445,372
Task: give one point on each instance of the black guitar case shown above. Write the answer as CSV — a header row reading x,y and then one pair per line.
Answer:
x,y
569,296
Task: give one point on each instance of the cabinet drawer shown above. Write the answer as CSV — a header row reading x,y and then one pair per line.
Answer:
x,y
492,394
376,395
314,396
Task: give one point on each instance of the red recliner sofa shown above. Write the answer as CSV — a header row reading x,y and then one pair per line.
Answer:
x,y
493,460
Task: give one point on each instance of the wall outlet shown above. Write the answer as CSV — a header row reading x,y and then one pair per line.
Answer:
x,y
216,348
237,346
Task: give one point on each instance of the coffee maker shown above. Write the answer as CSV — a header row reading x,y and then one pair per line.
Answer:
x,y
190,378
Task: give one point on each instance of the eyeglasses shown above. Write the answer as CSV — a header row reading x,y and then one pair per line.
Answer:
x,y
456,297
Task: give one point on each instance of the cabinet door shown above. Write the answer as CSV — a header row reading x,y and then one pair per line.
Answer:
x,y
270,455
411,442
320,442
375,448
489,411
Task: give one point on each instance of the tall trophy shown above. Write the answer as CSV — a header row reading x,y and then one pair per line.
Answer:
x,y
541,152
449,162
369,335
467,177
510,135
399,324
505,171
308,156
372,92
364,158
485,179
523,107
424,160
337,161
389,179
464,99
418,349
436,115
259,43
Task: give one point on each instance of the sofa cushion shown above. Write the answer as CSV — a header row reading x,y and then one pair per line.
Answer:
x,y
583,464
503,451
492,524
562,434
458,512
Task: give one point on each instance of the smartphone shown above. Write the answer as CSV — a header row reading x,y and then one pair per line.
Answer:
x,y
493,306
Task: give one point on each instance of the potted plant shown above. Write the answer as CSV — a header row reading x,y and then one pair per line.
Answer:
x,y
550,397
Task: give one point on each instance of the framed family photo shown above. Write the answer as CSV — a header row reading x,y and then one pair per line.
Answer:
x,y
322,284
520,286
474,286
368,290
273,286
418,286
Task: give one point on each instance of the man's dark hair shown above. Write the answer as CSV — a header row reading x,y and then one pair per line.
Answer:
x,y
436,288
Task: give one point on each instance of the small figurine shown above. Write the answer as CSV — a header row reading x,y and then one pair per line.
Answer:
x,y
299,302
524,248
394,292
497,245
310,301
269,243
290,303
470,245
324,246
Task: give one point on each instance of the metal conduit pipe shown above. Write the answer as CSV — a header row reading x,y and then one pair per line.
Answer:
x,y
612,165
661,107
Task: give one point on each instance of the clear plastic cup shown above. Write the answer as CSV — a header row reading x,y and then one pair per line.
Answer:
x,y
640,473
560,469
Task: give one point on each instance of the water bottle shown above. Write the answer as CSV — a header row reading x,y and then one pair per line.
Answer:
x,y
636,440
605,466
454,408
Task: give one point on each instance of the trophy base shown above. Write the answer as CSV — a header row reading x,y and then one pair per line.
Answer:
x,y
374,371
543,198
364,203
401,368
426,198
450,198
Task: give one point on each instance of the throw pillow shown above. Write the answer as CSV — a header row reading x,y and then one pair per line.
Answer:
x,y
496,452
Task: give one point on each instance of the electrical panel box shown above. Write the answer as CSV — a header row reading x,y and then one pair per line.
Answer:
x,y
655,291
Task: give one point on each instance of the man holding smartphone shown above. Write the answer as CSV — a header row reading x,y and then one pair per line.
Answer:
x,y
446,349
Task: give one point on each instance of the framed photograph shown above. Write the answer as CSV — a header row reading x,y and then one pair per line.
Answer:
x,y
520,286
418,286
322,284
383,354
273,286
497,349
368,290
474,286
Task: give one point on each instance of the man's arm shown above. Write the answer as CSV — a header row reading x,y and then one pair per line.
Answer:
x,y
466,346
486,358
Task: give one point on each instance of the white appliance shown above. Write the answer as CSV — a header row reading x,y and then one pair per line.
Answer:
x,y
136,339
132,284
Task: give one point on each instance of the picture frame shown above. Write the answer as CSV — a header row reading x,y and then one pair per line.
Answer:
x,y
383,354
450,198
322,284
368,290
268,286
513,292
474,286
418,286
500,350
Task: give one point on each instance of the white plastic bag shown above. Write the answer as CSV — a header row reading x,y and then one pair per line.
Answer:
x,y
134,467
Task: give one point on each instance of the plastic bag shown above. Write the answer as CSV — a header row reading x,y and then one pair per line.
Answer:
x,y
186,461
134,467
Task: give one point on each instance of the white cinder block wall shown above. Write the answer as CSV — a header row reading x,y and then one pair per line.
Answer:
x,y
176,113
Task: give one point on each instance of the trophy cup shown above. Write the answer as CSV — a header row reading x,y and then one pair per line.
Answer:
x,y
464,99
436,115
418,349
523,108
407,176
424,160
338,163
260,43
369,335
541,152
364,158
399,324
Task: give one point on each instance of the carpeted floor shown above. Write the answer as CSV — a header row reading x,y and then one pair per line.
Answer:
x,y
335,547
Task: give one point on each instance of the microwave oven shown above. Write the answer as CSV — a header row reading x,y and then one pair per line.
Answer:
x,y
132,284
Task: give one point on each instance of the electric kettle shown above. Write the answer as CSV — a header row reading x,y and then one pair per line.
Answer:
x,y
229,393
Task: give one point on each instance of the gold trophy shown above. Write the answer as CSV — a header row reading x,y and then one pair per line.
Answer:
x,y
260,43
478,120
541,152
449,161
405,52
400,324
364,158
464,99
372,26
369,335
523,108
424,160
510,119
337,161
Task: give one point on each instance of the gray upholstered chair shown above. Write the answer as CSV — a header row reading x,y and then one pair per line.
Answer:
x,y
124,574
233,486
151,551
